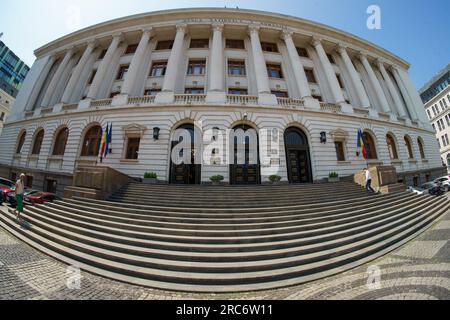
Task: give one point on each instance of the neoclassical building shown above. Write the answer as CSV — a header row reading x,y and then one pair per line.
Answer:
x,y
220,70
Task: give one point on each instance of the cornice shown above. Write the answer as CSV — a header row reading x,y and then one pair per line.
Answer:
x,y
222,15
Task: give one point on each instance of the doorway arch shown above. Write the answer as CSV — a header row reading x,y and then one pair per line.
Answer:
x,y
245,166
185,166
298,158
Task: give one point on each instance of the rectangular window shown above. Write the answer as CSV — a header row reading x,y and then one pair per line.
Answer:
x,y
339,146
274,71
91,78
102,54
238,91
158,69
123,70
434,126
235,44
269,47
113,94
194,91
196,67
446,139
151,92
310,76
339,79
429,114
236,68
29,181
131,49
443,141
51,185
164,45
199,44
133,148
280,94
302,52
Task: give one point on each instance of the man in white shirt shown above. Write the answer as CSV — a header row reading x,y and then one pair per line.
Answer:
x,y
19,190
369,181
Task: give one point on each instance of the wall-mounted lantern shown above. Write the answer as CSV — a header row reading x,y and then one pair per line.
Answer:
x,y
323,137
156,133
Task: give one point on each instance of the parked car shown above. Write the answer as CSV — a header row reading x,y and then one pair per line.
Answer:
x,y
423,189
11,196
6,186
40,198
445,181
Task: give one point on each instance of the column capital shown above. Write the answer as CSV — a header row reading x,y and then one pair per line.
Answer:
x,y
253,28
181,27
92,43
380,63
217,26
316,41
148,31
341,48
362,55
118,36
286,34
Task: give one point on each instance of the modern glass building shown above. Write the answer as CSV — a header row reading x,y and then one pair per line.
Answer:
x,y
12,71
436,85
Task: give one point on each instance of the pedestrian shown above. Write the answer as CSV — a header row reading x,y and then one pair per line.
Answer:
x,y
369,181
19,190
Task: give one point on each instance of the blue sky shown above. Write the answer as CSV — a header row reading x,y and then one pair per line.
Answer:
x,y
418,30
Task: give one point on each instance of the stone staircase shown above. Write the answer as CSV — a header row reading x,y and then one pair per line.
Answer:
x,y
226,238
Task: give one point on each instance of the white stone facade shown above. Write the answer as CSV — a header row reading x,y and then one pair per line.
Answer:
x,y
360,85
6,101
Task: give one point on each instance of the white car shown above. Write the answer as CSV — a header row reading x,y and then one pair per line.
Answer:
x,y
423,189
445,182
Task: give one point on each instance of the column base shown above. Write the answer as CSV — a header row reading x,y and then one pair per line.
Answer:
x,y
120,100
165,97
311,103
345,107
267,99
216,97
57,107
84,104
373,113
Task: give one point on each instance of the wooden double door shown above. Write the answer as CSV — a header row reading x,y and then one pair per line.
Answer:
x,y
247,171
297,156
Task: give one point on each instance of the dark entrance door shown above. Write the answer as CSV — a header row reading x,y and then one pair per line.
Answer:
x,y
245,168
185,173
297,156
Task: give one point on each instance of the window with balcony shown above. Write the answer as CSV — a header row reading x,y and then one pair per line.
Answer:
x,y
102,54
280,94
234,44
164,45
199,44
131,49
236,67
122,73
238,91
269,47
151,92
310,76
317,97
158,69
194,91
302,52
274,71
113,94
196,67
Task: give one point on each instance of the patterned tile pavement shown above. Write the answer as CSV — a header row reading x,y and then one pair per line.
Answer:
x,y
418,271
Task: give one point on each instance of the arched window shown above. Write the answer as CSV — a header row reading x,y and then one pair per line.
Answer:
x,y
21,141
370,146
91,143
60,142
391,146
421,148
409,147
38,142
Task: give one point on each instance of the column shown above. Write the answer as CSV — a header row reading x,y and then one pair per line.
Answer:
x,y
105,64
262,78
136,62
32,100
376,85
299,71
397,101
77,72
56,78
216,73
173,66
355,78
403,84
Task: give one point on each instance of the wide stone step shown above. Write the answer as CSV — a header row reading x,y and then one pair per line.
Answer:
x,y
233,281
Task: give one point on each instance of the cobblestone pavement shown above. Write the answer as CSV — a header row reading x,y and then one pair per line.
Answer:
x,y
418,270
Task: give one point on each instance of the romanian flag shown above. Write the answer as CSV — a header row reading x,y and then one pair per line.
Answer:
x,y
103,145
362,144
108,140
